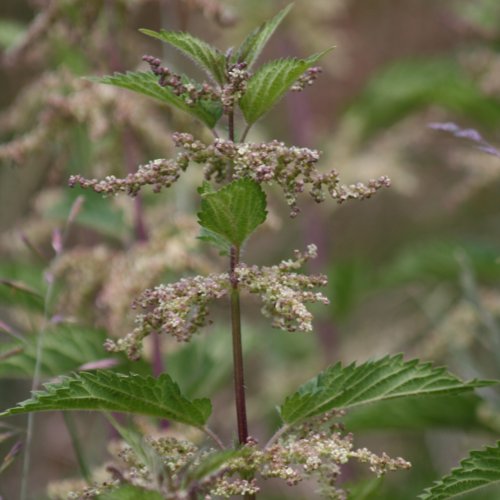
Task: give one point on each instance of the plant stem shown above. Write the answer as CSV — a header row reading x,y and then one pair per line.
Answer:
x,y
239,382
214,436
230,120
75,441
245,133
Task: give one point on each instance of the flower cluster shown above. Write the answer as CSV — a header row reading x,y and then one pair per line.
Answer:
x,y
237,78
308,78
314,449
317,449
285,293
177,309
180,309
157,173
190,92
292,168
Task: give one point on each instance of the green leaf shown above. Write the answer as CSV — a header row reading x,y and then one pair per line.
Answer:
x,y
146,83
254,43
130,493
480,469
65,349
96,213
11,32
407,86
232,213
387,378
209,58
458,411
109,391
270,82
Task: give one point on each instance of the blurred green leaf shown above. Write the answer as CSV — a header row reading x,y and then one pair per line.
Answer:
x,y
479,470
130,493
348,282
460,411
116,392
65,348
30,277
388,378
364,490
436,261
408,86
10,32
96,213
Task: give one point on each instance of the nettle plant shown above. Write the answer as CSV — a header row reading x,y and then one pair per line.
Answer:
x,y
311,441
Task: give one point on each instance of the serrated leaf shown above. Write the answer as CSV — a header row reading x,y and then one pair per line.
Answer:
x,y
209,58
254,43
109,391
270,82
353,385
233,212
146,83
480,469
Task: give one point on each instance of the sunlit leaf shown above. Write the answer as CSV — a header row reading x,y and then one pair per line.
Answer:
x,y
388,378
110,391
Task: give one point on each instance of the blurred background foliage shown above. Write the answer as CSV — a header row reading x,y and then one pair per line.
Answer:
x,y
413,270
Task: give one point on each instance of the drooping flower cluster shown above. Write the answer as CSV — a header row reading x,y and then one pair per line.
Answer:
x,y
181,309
177,309
157,173
190,92
318,448
284,293
315,449
292,168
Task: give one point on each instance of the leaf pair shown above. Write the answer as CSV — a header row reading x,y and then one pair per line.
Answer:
x,y
264,89
336,388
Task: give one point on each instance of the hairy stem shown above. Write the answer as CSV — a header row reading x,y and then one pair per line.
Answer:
x,y
239,382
